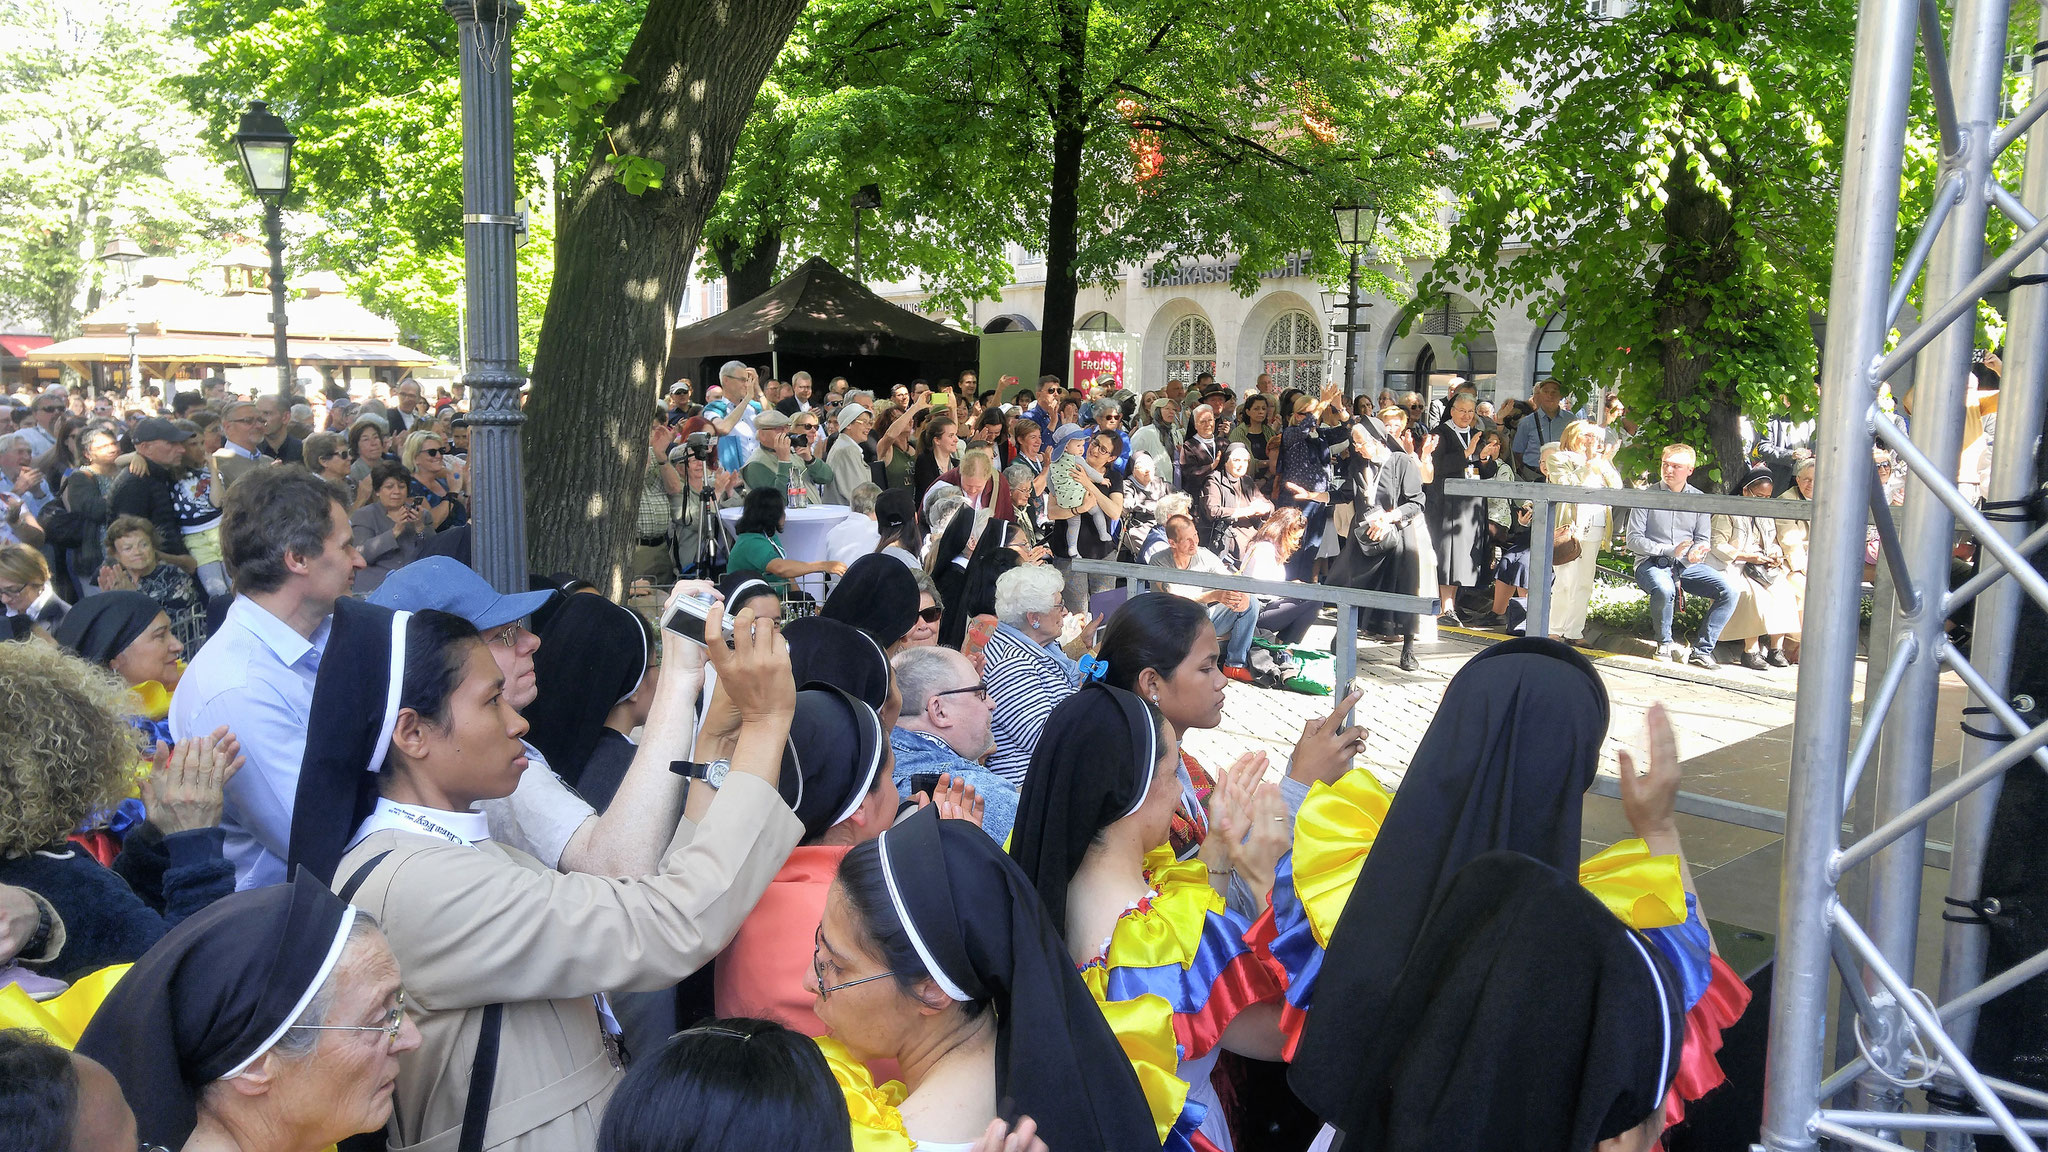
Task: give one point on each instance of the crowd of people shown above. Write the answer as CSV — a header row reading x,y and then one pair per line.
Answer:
x,y
901,849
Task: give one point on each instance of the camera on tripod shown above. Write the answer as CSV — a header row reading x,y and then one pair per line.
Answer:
x,y
700,446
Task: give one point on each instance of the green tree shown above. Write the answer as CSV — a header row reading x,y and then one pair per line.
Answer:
x,y
1095,131
93,141
1666,176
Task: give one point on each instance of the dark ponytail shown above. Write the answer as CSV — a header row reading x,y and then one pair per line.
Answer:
x,y
1156,630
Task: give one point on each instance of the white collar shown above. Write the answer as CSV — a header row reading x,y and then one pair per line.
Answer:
x,y
464,828
245,453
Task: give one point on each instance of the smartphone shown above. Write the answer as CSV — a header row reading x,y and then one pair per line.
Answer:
x,y
687,619
925,782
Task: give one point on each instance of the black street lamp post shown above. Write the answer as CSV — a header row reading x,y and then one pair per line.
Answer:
x,y
123,252
490,224
868,199
265,144
1355,225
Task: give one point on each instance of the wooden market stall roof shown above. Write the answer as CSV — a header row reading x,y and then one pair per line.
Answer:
x,y
179,327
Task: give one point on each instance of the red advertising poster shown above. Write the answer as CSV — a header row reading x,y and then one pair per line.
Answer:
x,y
1091,368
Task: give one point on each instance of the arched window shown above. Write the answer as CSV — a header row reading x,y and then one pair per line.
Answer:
x,y
1293,354
1545,361
1190,349
1099,322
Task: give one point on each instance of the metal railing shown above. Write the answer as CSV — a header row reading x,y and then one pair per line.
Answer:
x,y
1543,500
1347,601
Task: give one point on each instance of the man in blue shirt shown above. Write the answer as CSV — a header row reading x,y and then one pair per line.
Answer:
x,y
1544,425
944,730
293,553
732,416
1670,547
1046,411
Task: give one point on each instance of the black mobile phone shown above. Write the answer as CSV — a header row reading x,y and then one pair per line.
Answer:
x,y
687,619
925,782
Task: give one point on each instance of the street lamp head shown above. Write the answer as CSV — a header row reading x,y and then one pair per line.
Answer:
x,y
265,144
121,250
1355,224
869,198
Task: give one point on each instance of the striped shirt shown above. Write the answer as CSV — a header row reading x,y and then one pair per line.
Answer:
x,y
1026,680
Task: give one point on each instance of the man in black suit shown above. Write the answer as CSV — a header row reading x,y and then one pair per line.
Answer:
x,y
799,398
1386,487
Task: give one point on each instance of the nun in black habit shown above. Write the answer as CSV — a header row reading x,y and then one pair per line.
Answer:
x,y
932,936
596,671
992,557
1527,1017
1504,766
877,595
236,992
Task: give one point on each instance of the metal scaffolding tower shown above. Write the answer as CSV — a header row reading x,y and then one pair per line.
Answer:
x,y
1905,1039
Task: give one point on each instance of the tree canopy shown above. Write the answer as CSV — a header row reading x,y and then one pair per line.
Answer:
x,y
93,141
1666,176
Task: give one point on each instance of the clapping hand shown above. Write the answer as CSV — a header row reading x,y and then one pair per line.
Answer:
x,y
184,789
957,800
1429,443
113,578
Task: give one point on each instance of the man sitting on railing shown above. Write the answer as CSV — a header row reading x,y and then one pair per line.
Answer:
x,y
1670,547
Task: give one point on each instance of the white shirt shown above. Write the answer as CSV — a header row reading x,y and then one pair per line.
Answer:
x,y
851,539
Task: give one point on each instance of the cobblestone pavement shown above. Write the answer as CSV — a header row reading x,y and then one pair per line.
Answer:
x,y
1711,710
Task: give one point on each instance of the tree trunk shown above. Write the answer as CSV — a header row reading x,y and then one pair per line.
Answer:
x,y
620,260
1699,259
751,271
1062,221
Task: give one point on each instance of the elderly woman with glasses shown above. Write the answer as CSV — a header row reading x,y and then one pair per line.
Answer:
x,y
271,1022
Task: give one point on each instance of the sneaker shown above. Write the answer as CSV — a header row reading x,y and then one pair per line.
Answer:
x,y
1450,618
1486,620
1699,659
1237,672
1776,658
1754,661
1671,650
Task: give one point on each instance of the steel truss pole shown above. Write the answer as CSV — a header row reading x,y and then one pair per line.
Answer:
x,y
1969,121
1906,1040
1964,944
1865,242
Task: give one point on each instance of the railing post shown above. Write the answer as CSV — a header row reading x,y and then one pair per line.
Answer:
x,y
1541,514
1346,652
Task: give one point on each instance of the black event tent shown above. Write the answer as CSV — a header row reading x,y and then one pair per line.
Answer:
x,y
820,320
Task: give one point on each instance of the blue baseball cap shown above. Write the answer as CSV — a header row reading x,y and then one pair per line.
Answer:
x,y
449,585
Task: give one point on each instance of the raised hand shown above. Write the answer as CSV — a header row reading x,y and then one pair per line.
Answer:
x,y
754,672
1270,835
999,1138
1326,747
957,800
1649,793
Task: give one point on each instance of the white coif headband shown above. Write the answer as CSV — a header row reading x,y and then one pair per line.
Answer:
x,y
924,954
319,981
397,689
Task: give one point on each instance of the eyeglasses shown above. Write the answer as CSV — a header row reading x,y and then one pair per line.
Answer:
x,y
818,968
508,636
47,408
247,420
393,1022
931,615
13,590
980,691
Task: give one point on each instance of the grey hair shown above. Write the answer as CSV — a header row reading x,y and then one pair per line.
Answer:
x,y
9,441
298,1041
923,672
862,500
1238,448
302,412
927,588
732,369
1172,504
1031,588
233,406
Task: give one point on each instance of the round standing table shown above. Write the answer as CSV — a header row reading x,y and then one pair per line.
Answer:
x,y
803,535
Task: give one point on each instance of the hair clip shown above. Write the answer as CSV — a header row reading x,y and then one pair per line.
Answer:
x,y
1093,668
715,1030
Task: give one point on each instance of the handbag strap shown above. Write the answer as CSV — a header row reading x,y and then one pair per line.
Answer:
x,y
483,1071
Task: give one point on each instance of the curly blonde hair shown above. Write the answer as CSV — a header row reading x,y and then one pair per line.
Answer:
x,y
68,750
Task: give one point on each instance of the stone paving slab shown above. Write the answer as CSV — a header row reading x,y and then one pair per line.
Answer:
x,y
1711,710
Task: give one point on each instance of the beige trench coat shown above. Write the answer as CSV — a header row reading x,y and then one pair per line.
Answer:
x,y
483,924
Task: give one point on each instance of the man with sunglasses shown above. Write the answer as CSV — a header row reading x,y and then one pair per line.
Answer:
x,y
41,430
944,730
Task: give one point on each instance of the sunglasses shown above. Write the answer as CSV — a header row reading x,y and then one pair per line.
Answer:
x,y
931,615
46,408
431,451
